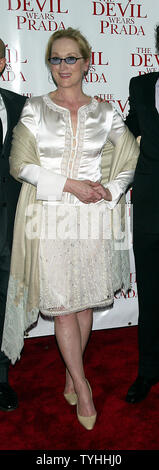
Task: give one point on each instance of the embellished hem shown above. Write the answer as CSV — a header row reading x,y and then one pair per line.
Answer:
x,y
54,313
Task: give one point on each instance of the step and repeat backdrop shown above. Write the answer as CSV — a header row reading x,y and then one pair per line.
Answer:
x,y
122,36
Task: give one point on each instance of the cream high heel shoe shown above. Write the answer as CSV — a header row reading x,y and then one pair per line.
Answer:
x,y
71,398
87,422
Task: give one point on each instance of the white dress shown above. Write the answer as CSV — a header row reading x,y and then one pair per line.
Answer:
x,y
75,256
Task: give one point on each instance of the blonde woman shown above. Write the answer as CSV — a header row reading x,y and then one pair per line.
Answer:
x,y
57,154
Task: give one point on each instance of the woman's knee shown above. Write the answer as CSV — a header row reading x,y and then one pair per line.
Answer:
x,y
64,319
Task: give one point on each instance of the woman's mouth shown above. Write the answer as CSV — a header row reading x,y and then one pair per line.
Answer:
x,y
65,75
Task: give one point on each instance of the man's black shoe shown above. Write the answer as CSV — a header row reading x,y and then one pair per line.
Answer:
x,y
140,389
8,398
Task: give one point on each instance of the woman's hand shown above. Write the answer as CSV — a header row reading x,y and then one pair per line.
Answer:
x,y
86,191
104,192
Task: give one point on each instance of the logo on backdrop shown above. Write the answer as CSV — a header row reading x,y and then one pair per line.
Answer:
x,y
121,104
15,66
97,70
98,74
38,15
132,293
143,60
125,18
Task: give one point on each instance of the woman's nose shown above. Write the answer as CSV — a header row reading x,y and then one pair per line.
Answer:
x,y
63,64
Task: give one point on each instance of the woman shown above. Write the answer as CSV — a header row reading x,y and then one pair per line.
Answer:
x,y
57,153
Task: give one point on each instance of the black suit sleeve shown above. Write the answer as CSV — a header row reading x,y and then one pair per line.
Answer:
x,y
132,118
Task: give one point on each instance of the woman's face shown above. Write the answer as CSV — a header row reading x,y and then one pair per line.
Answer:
x,y
68,75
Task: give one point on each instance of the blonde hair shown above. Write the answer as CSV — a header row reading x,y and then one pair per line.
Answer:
x,y
70,33
2,49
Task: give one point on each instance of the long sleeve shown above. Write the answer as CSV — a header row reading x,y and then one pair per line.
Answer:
x,y
120,183
49,185
118,186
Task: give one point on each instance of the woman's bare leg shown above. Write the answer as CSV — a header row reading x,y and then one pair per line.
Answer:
x,y
69,339
85,319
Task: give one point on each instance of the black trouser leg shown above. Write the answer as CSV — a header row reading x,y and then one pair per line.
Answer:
x,y
4,276
146,251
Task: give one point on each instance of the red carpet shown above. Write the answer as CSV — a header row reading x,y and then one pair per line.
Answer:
x,y
45,421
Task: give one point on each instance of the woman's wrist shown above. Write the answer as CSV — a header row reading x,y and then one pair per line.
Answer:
x,y
69,185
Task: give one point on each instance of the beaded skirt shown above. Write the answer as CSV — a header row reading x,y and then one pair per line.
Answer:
x,y
75,269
